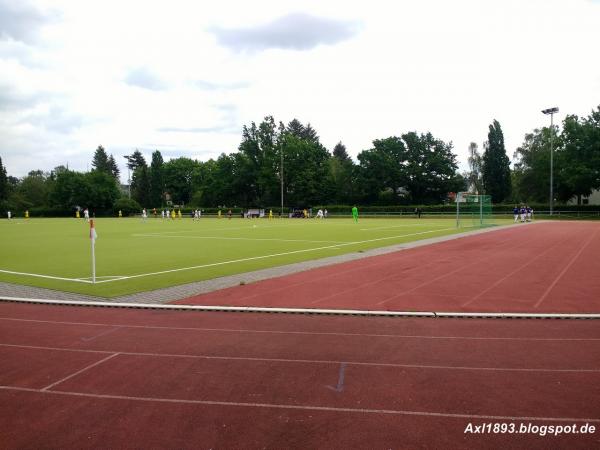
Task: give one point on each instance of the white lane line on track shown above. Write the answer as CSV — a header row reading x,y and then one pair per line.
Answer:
x,y
304,333
303,361
50,386
565,269
302,407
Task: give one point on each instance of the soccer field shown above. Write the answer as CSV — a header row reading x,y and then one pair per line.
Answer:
x,y
134,255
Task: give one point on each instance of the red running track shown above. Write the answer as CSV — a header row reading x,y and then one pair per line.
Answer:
x,y
546,267
85,377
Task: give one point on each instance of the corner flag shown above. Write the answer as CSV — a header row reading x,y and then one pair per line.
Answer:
x,y
93,234
93,237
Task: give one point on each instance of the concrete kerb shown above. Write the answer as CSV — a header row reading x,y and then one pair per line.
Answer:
x,y
166,295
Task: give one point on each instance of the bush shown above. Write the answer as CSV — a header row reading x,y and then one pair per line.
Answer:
x,y
127,206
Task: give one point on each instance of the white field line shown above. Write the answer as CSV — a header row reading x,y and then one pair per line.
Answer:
x,y
104,276
202,266
234,238
405,225
249,227
162,272
37,275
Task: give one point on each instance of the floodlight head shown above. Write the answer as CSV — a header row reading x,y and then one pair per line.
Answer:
x,y
550,110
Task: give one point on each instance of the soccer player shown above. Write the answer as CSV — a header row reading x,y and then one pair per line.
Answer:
x,y
173,214
325,213
270,214
229,214
522,211
355,213
144,214
86,214
179,213
8,213
219,214
516,213
530,213
319,214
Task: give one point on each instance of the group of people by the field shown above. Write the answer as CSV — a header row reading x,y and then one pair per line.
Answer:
x,y
523,213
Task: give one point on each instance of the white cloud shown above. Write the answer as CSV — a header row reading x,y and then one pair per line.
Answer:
x,y
153,75
297,31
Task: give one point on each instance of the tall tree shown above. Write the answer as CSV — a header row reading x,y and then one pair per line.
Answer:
x,y
475,162
430,168
579,157
178,176
140,180
141,186
157,184
34,189
341,169
339,152
135,160
532,167
261,161
3,182
496,165
100,161
114,169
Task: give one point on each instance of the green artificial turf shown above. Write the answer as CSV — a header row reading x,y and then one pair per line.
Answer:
x,y
134,248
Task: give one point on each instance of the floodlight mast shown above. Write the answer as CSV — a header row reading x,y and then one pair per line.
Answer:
x,y
551,111
128,176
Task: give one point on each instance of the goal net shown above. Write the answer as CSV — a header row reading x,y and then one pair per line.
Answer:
x,y
473,210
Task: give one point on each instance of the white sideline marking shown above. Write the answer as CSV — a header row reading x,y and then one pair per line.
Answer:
x,y
289,360
232,238
345,312
408,225
304,333
37,275
162,272
301,407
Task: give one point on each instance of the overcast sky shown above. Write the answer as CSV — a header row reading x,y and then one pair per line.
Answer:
x,y
183,77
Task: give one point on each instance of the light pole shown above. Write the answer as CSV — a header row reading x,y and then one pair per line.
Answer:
x,y
551,111
281,176
128,176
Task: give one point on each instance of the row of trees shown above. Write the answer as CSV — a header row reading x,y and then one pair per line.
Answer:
x,y
408,169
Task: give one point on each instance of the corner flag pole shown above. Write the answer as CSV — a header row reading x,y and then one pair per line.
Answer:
x,y
93,237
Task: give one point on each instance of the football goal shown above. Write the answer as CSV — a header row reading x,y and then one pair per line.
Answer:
x,y
473,210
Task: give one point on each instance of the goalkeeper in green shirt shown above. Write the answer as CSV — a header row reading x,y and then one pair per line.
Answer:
x,y
355,213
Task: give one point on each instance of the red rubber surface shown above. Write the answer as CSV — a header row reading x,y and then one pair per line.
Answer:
x,y
548,267
77,377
